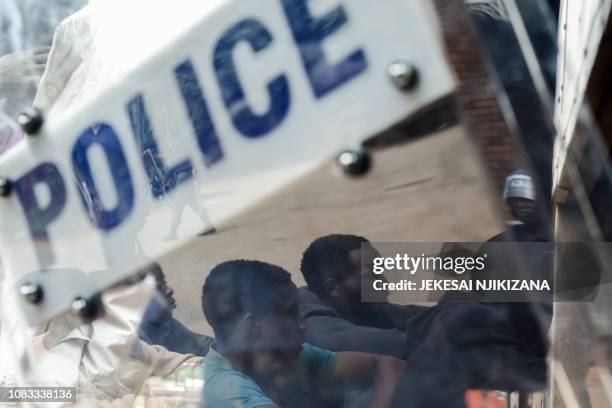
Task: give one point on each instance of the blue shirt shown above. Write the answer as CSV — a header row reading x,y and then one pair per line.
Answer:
x,y
225,387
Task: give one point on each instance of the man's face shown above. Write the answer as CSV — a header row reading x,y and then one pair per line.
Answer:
x,y
282,329
280,338
522,209
360,273
164,290
168,293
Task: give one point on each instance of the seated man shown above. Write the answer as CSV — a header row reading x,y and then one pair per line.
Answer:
x,y
462,345
160,328
331,304
260,358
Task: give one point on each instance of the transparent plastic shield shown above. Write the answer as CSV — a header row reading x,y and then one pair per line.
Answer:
x,y
581,185
228,176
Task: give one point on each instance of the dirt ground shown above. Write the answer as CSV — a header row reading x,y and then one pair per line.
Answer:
x,y
429,190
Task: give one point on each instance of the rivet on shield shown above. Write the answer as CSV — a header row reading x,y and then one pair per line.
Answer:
x,y
5,187
354,163
78,305
31,120
403,74
87,309
32,292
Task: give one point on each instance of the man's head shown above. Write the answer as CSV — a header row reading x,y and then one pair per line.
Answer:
x,y
334,266
252,306
161,285
519,193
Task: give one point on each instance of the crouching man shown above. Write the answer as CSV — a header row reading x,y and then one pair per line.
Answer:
x,y
260,358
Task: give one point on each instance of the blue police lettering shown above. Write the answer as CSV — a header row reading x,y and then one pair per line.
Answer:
x,y
198,113
161,180
103,135
309,33
40,217
247,122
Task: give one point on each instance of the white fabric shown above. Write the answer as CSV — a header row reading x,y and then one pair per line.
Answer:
x,y
105,360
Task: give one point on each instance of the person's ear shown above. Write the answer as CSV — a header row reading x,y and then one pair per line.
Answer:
x,y
251,324
332,288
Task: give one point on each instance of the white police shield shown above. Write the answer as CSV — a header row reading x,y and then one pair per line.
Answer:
x,y
245,102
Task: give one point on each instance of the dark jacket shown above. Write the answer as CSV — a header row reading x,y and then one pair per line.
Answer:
x,y
527,256
461,345
393,332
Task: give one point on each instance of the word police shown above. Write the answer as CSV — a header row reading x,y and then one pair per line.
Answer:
x,y
309,34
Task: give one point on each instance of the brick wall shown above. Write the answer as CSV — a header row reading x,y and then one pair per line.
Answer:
x,y
477,94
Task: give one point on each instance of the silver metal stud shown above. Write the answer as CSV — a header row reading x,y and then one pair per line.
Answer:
x,y
78,305
5,187
31,121
32,292
403,74
353,163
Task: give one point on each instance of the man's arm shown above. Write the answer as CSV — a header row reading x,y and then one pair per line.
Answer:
x,y
384,370
336,334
